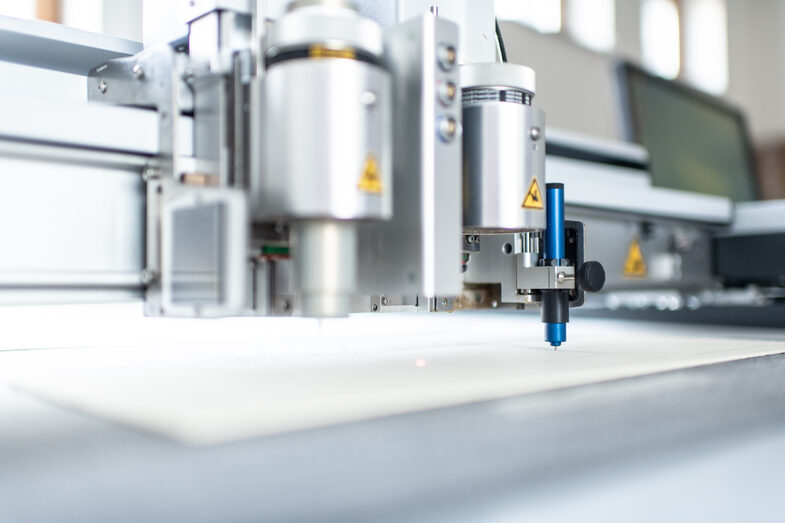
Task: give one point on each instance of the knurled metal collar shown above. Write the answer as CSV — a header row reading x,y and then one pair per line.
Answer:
x,y
310,22
501,75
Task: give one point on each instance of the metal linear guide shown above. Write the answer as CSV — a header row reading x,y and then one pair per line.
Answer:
x,y
74,223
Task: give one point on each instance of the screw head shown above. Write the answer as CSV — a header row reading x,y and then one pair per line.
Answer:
x,y
448,91
385,300
535,133
102,87
148,276
150,173
448,128
447,56
137,71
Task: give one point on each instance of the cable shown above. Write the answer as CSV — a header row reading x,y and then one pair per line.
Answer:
x,y
500,41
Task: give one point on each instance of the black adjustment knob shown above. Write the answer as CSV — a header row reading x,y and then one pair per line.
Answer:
x,y
591,276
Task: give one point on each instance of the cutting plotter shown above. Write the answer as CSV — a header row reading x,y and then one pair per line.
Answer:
x,y
323,163
329,161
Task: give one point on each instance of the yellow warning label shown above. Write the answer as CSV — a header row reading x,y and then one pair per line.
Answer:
x,y
371,178
533,198
321,51
635,265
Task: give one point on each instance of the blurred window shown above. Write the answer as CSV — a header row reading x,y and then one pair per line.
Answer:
x,y
541,15
18,8
592,23
87,15
120,18
660,41
706,44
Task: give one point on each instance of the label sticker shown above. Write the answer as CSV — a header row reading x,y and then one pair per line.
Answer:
x,y
635,265
533,198
371,178
322,51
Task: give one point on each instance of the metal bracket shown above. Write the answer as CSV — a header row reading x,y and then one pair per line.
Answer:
x,y
546,277
198,8
204,238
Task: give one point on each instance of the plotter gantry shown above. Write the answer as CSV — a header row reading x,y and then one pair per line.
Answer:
x,y
338,167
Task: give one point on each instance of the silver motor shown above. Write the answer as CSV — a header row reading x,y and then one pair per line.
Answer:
x,y
327,137
503,150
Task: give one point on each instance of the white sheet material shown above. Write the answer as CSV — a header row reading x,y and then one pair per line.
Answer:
x,y
290,374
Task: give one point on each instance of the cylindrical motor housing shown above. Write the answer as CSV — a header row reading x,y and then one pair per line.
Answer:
x,y
503,150
325,266
327,129
327,117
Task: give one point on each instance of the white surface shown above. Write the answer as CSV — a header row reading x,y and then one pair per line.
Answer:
x,y
759,217
612,148
32,82
68,224
206,382
58,47
620,189
69,35
74,123
498,75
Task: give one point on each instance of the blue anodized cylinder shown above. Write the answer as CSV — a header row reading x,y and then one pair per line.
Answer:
x,y
554,221
555,333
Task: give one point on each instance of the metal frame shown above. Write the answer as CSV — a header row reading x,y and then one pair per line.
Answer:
x,y
57,47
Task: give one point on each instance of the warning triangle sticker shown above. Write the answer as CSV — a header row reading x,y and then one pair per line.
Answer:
x,y
371,178
533,198
635,264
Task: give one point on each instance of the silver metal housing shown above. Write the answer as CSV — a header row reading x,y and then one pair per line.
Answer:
x,y
325,267
503,152
326,125
504,75
418,252
325,120
323,22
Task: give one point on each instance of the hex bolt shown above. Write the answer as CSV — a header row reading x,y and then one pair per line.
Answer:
x,y
148,276
137,71
150,173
